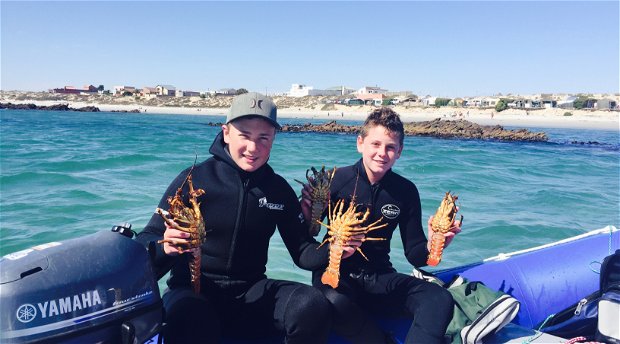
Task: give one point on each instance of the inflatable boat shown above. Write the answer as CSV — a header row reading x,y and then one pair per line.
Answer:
x,y
101,288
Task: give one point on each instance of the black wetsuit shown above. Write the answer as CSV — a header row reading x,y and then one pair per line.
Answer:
x,y
374,286
241,211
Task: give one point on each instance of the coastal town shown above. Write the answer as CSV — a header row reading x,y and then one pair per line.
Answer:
x,y
308,95
586,110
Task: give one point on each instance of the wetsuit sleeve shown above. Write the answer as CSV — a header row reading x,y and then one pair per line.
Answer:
x,y
155,229
412,232
294,232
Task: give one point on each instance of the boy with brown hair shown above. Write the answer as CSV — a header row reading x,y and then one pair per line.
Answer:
x,y
373,286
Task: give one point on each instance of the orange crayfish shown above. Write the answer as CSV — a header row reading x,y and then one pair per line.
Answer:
x,y
189,220
319,183
342,227
441,224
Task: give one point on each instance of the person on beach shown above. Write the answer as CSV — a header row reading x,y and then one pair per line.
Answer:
x,y
244,201
373,286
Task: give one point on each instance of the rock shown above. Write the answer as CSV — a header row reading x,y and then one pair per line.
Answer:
x,y
55,107
435,128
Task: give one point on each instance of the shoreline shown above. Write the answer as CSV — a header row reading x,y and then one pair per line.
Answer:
x,y
539,118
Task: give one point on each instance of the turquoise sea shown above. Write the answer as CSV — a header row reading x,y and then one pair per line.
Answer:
x,y
69,174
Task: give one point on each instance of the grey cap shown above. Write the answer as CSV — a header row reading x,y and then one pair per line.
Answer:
x,y
253,104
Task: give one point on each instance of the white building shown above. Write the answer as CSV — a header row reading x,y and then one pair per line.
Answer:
x,y
299,90
166,90
371,90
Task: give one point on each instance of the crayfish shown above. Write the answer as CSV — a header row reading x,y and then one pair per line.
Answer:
x,y
441,224
319,183
189,220
342,227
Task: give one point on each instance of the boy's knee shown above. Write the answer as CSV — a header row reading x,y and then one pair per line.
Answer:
x,y
436,298
308,314
309,302
187,318
444,300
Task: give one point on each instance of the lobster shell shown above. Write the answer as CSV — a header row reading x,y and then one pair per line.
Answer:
x,y
441,224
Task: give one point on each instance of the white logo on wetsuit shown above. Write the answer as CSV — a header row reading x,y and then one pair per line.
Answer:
x,y
272,206
390,211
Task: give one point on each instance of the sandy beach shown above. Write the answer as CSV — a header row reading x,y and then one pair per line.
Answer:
x,y
313,108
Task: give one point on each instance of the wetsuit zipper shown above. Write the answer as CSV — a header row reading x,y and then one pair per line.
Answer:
x,y
374,191
238,222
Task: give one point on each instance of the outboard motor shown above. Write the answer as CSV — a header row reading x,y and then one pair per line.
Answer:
x,y
99,288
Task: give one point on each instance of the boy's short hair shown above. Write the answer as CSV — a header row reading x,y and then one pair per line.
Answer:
x,y
387,118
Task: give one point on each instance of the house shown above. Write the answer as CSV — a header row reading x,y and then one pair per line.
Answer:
x,y
606,104
225,91
489,102
371,90
372,98
74,90
121,90
341,90
456,102
566,103
548,102
299,90
166,90
411,100
428,101
149,92
180,93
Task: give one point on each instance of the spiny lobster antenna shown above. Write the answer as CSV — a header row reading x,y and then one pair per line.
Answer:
x,y
357,179
190,170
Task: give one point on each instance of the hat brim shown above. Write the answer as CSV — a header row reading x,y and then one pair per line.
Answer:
x,y
251,115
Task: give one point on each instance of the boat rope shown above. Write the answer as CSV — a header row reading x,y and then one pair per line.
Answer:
x,y
538,331
580,340
609,251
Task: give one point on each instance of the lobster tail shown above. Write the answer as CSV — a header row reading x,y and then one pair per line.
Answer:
x,y
437,244
194,268
441,224
317,211
330,278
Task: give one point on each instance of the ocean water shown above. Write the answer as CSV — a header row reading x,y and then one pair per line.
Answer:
x,y
69,174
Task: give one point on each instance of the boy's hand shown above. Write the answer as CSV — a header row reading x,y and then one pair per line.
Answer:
x,y
352,245
449,235
175,241
306,202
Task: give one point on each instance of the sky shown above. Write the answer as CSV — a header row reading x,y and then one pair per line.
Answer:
x,y
444,49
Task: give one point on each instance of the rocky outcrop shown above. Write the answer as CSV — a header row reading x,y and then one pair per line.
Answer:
x,y
435,128
55,107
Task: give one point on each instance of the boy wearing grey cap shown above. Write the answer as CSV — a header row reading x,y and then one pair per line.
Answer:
x,y
244,202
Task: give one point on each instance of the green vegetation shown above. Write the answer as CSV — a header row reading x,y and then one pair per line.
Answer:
x,y
242,91
568,114
583,102
501,105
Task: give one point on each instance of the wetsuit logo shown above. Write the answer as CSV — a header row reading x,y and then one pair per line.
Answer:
x,y
272,206
390,211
